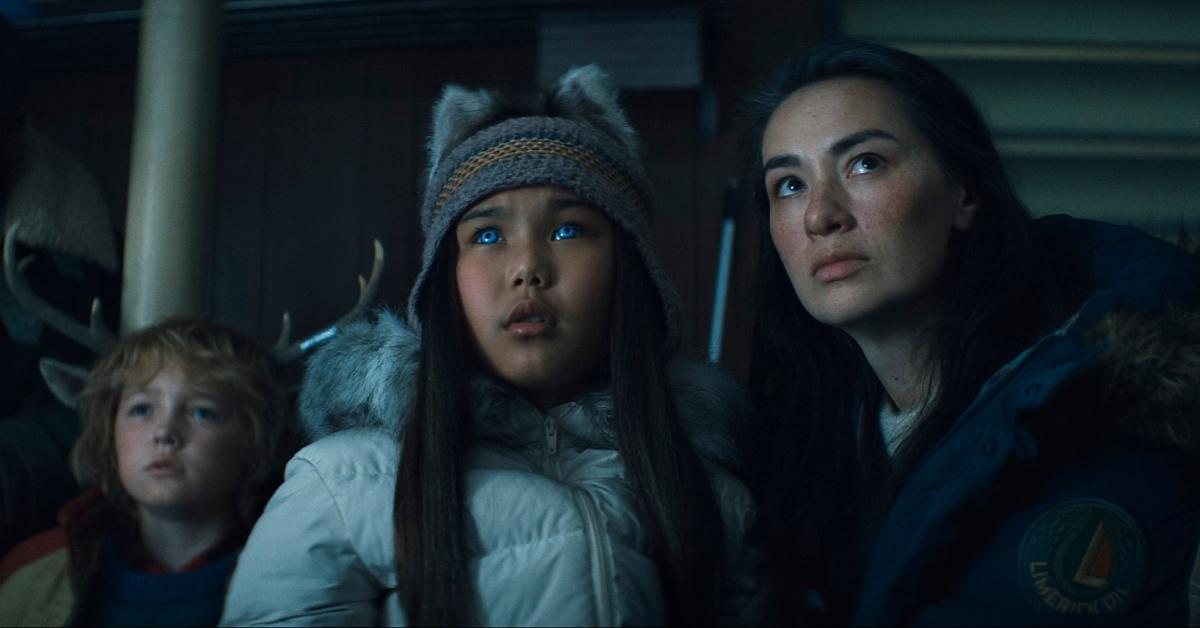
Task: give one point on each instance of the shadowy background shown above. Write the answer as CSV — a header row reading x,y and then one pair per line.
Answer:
x,y
325,108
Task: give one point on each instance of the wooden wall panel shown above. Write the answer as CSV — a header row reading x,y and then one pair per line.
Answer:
x,y
90,114
322,152
313,212
666,122
390,165
236,266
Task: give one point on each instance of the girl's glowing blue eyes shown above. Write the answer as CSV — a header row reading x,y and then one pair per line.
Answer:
x,y
491,235
487,236
788,186
140,409
865,164
566,232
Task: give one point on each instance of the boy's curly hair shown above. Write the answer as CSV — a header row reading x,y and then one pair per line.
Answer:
x,y
214,357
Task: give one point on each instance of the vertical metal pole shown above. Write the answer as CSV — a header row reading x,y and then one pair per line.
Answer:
x,y
172,174
724,266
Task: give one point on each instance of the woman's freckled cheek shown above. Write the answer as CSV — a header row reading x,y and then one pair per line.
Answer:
x,y
790,240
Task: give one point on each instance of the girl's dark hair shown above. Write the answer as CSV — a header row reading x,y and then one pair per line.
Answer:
x,y
431,557
672,486
822,480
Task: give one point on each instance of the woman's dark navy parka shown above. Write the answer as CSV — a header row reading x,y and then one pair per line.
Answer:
x,y
1069,491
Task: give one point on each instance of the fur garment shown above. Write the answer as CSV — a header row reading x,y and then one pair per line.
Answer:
x,y
366,378
1147,379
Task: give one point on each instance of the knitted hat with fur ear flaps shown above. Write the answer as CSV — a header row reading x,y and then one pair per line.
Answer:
x,y
582,143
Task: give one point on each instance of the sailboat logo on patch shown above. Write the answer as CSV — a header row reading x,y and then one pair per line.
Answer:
x,y
1096,566
1083,557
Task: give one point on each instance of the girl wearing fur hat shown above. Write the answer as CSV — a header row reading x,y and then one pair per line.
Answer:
x,y
993,420
526,448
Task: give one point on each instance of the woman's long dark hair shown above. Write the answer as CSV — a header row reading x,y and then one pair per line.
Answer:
x,y
822,483
673,492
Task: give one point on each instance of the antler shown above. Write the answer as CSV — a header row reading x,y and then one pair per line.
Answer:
x,y
286,351
96,336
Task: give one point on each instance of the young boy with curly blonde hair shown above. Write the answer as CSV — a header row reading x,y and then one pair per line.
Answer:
x,y
184,431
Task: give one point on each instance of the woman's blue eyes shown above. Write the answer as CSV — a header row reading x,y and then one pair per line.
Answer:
x,y
865,164
140,409
788,186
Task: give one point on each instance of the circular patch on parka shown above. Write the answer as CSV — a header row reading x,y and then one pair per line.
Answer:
x,y
1083,557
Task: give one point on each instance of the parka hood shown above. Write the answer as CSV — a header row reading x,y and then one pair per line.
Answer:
x,y
1136,339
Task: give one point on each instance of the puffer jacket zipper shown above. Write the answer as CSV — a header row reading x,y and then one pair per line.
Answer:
x,y
597,542
550,464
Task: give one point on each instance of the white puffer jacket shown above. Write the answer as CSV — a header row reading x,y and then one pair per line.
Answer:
x,y
552,530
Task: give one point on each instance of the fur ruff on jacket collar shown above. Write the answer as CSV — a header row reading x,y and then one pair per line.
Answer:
x,y
365,377
1146,381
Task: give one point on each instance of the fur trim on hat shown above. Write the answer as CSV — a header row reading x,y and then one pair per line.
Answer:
x,y
590,94
585,94
365,377
456,115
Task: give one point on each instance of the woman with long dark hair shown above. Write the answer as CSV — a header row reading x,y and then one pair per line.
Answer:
x,y
526,449
964,415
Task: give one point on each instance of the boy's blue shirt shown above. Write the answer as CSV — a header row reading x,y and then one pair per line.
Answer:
x,y
977,533
125,596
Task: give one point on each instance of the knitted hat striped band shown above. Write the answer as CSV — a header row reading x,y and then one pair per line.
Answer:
x,y
537,146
